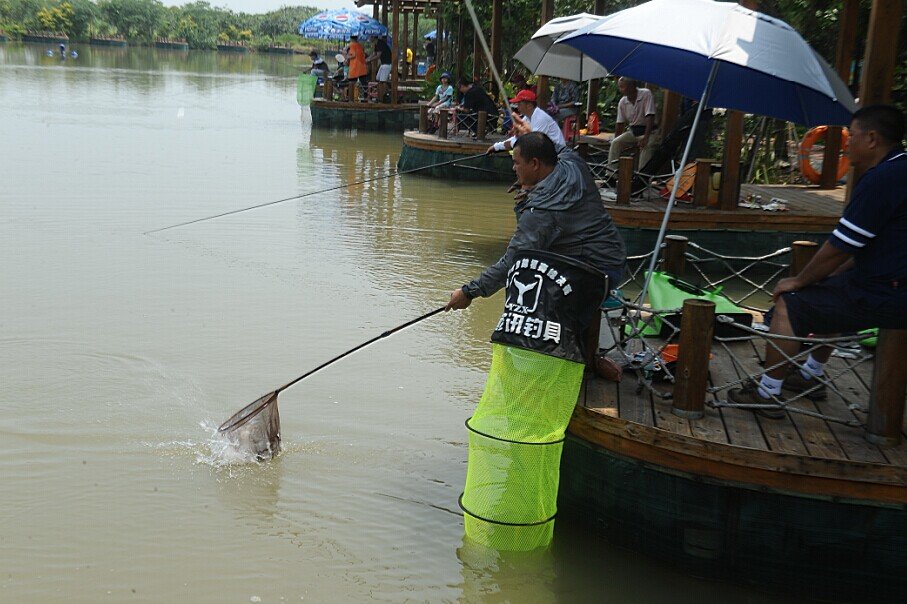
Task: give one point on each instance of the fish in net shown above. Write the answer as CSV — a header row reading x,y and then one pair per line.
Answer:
x,y
255,429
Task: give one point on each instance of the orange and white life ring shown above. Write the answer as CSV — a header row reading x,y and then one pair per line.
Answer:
x,y
806,146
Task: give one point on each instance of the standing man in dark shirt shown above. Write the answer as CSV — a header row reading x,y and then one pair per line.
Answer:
x,y
858,278
383,54
563,213
475,99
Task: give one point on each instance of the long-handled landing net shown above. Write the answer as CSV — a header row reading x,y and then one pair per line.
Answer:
x,y
255,429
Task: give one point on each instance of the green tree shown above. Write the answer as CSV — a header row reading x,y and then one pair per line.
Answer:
x,y
135,19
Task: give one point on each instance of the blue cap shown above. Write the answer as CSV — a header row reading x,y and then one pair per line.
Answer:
x,y
446,74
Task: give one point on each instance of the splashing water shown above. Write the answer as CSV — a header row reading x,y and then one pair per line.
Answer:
x,y
215,449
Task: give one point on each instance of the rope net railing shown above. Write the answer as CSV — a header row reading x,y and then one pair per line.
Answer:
x,y
646,340
635,269
846,347
755,274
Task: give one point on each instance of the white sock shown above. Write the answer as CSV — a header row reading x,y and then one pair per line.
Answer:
x,y
769,386
812,368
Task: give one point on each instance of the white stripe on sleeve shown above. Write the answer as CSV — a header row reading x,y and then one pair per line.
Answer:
x,y
856,229
847,239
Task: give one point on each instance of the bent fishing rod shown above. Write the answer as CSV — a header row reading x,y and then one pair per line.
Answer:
x,y
343,186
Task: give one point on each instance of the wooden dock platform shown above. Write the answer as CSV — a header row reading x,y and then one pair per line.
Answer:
x,y
811,215
423,149
799,453
803,505
367,116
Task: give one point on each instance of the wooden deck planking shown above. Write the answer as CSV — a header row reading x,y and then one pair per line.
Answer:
x,y
851,439
797,434
666,420
602,397
635,407
780,434
742,428
710,426
799,198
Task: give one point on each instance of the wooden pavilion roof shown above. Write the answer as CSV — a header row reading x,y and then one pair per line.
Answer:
x,y
406,5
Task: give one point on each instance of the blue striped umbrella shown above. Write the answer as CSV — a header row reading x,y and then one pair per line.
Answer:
x,y
340,24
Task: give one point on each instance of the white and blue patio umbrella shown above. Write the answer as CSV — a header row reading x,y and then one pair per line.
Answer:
x,y
543,57
725,55
340,24
431,35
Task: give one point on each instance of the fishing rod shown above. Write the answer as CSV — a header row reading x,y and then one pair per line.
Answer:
x,y
251,410
343,186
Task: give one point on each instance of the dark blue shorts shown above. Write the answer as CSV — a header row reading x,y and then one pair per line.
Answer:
x,y
839,304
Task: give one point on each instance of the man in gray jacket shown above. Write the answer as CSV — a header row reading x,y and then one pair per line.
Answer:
x,y
563,214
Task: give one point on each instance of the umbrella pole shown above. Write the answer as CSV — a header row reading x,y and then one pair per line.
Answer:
x,y
677,176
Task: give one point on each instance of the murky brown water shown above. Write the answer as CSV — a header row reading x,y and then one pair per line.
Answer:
x,y
119,352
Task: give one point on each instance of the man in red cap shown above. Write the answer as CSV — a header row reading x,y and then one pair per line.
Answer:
x,y
538,119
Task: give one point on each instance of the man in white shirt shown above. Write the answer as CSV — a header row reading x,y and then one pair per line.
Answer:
x,y
538,119
635,122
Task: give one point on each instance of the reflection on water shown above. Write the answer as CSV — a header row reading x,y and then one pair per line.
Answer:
x,y
118,349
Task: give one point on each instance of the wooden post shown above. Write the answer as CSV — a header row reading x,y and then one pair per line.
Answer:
x,y
729,195
801,253
405,70
354,91
395,51
496,19
384,13
461,43
624,179
415,43
730,166
889,385
692,370
669,112
675,255
877,76
328,89
594,85
423,118
482,125
442,123
542,85
439,38
375,11
477,56
847,33
702,184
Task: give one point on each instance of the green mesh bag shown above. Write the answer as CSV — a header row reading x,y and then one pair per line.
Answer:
x,y
305,88
515,441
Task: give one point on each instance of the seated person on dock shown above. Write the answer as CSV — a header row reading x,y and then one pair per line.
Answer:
x,y
857,279
563,213
340,76
475,99
520,83
564,99
535,116
319,67
635,122
443,99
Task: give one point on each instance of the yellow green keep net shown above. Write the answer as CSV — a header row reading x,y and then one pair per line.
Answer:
x,y
515,441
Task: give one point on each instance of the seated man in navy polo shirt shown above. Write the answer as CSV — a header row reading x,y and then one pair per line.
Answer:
x,y
858,278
